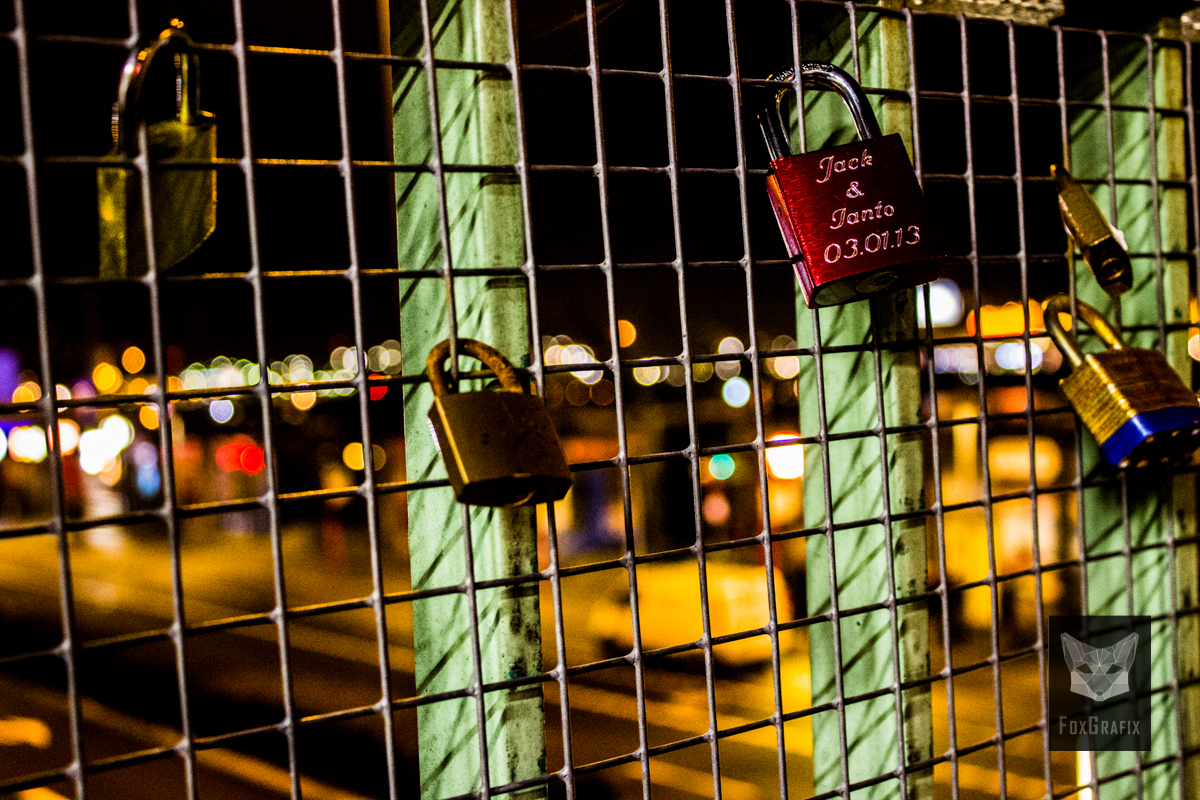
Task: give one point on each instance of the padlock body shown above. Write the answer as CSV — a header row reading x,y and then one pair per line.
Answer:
x,y
1135,405
1095,239
184,201
854,221
499,448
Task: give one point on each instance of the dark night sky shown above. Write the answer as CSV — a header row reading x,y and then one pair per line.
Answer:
x,y
302,220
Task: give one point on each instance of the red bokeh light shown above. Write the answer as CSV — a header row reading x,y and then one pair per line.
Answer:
x,y
229,457
240,454
252,460
377,392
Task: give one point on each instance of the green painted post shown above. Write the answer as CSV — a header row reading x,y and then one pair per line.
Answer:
x,y
484,221
1157,514
869,642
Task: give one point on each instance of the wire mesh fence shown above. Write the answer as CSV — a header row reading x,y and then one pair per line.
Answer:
x,y
232,562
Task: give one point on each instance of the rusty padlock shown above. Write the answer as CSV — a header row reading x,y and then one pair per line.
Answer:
x,y
184,207
499,448
853,218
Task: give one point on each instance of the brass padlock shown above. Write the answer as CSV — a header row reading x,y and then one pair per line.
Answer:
x,y
184,207
1096,239
499,448
1129,398
853,218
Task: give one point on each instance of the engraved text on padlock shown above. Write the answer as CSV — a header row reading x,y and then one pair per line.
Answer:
x,y
853,217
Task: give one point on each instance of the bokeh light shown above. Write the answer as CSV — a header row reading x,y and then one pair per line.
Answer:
x,y
221,410
577,393
945,303
300,368
352,456
736,392
603,393
729,369
118,430
148,416
27,444
787,462
252,460
1011,356
304,400
145,460
68,436
784,367
581,354
229,457
716,509
626,333
721,466
240,454
133,359
27,392
647,376
107,378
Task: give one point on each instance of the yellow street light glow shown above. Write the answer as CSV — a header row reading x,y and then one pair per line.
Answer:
x,y
133,359
352,455
304,400
27,392
785,463
106,377
626,332
148,416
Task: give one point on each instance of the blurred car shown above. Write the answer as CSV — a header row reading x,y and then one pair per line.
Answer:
x,y
669,610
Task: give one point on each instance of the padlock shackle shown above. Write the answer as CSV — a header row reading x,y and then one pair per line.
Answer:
x,y
827,76
435,366
126,116
1061,304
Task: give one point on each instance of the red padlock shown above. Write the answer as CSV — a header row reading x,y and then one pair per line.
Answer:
x,y
853,217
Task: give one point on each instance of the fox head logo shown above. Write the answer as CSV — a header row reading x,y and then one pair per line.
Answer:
x,y
1100,672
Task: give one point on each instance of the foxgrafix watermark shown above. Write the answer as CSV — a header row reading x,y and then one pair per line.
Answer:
x,y
1099,683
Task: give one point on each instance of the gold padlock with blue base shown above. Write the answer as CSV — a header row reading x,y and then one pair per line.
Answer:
x,y
1131,400
499,448
183,199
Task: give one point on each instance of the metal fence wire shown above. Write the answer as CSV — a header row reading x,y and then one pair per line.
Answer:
x,y
232,564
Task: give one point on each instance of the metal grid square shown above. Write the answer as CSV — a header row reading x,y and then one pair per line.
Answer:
x,y
986,182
